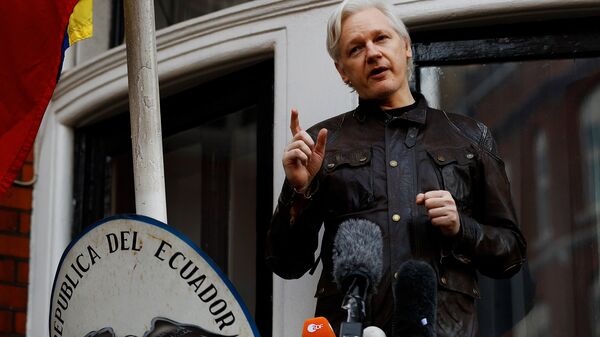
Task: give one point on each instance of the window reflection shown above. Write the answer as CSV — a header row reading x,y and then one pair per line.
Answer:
x,y
542,191
166,13
210,172
218,148
589,120
170,12
545,116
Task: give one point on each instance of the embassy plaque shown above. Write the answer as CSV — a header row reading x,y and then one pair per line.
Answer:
x,y
134,276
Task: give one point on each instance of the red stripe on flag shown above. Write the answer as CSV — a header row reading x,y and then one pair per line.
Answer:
x,y
31,36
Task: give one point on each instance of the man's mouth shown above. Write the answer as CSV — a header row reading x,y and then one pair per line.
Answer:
x,y
377,71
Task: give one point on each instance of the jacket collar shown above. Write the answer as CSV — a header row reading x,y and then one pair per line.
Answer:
x,y
370,109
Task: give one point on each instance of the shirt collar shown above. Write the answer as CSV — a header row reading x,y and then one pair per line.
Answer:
x,y
370,109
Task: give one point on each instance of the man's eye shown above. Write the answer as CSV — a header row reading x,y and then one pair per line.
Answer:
x,y
354,50
382,37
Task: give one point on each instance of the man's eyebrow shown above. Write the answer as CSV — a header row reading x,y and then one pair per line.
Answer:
x,y
356,38
360,36
381,31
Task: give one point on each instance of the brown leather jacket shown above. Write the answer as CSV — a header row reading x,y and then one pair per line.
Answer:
x,y
375,165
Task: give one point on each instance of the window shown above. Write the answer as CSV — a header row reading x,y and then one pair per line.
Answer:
x,y
167,13
535,86
170,12
542,190
218,155
589,119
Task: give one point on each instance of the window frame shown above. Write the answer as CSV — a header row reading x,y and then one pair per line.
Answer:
x,y
497,43
92,189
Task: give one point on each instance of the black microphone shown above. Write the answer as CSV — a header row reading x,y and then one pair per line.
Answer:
x,y
357,269
416,300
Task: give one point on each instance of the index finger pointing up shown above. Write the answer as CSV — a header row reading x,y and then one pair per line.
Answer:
x,y
295,122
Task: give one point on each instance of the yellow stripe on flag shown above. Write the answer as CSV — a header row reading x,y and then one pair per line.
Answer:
x,y
80,22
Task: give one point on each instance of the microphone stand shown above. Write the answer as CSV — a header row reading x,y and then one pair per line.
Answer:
x,y
354,304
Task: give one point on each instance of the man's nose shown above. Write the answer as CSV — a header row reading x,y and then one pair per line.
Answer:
x,y
373,52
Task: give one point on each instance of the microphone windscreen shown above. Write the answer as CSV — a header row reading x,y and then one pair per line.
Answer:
x,y
416,300
358,250
317,327
373,331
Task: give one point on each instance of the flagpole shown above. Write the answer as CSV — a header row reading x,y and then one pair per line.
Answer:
x,y
144,106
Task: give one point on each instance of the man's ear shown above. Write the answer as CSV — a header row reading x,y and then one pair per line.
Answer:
x,y
408,48
341,71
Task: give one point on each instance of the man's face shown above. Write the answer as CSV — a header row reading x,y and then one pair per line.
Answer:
x,y
373,57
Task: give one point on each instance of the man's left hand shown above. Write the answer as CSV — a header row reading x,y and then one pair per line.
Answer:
x,y
442,211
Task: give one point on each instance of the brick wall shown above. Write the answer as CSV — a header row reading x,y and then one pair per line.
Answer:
x,y
15,219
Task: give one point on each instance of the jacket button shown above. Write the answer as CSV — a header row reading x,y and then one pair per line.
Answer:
x,y
470,156
362,159
396,217
393,163
396,275
441,158
330,165
444,280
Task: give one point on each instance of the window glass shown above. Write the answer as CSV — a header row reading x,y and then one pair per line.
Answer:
x,y
589,124
210,178
545,117
542,190
169,12
218,160
166,13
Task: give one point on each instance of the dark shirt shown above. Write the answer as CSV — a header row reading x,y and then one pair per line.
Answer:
x,y
375,164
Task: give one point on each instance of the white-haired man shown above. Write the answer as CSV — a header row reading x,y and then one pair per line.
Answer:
x,y
432,181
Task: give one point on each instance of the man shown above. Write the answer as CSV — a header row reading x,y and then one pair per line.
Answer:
x,y
433,182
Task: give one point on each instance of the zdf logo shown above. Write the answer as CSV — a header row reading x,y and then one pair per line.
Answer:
x,y
314,327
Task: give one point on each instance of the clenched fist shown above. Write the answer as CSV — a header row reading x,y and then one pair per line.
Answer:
x,y
441,209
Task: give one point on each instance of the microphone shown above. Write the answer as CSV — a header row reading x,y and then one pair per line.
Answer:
x,y
416,300
373,331
357,269
317,327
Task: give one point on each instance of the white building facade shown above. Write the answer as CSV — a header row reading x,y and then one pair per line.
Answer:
x,y
504,62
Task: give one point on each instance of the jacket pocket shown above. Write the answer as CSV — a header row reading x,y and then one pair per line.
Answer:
x,y
348,180
456,315
456,168
458,277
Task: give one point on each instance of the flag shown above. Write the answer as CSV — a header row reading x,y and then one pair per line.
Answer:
x,y
80,22
32,38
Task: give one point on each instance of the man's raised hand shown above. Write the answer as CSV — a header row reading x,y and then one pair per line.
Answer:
x,y
302,158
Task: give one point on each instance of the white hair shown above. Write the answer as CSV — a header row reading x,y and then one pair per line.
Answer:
x,y
350,7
